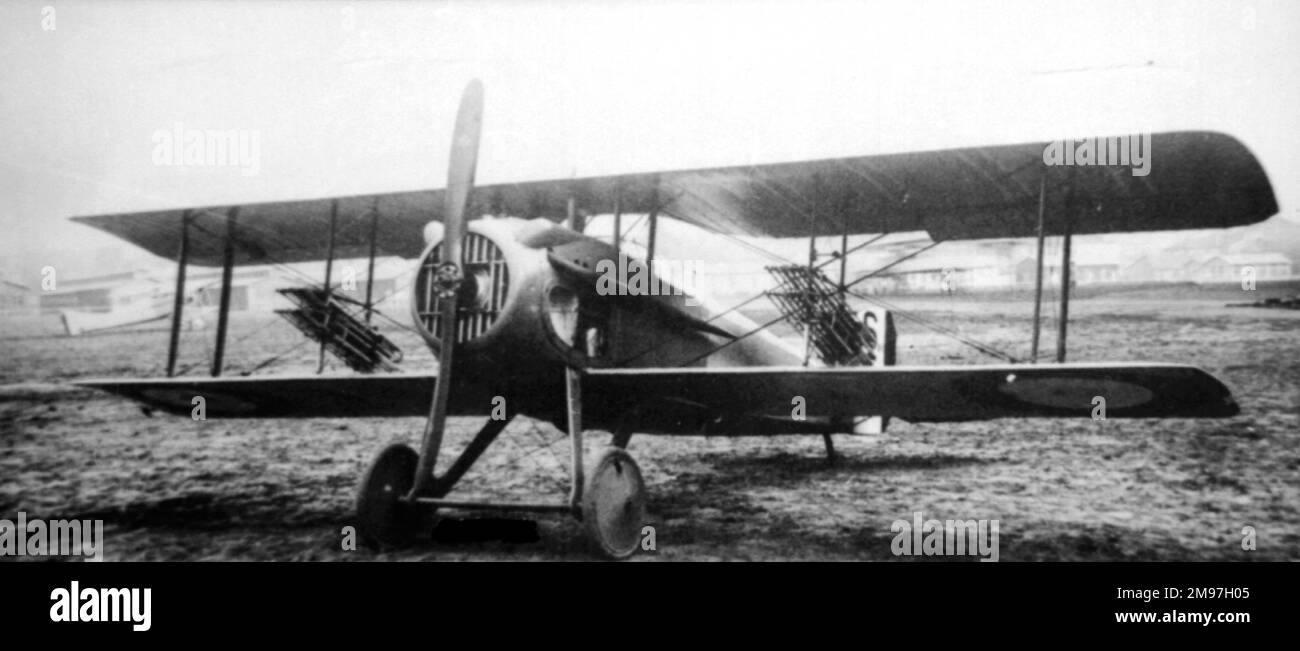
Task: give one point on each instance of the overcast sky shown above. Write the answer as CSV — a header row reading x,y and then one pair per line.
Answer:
x,y
349,98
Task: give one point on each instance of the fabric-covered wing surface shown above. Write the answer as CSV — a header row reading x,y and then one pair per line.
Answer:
x,y
305,396
690,400
283,232
729,400
1195,180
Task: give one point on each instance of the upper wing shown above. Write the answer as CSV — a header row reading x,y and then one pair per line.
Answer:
x,y
1195,180
284,232
730,400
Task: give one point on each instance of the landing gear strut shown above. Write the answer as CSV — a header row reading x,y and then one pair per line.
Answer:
x,y
610,498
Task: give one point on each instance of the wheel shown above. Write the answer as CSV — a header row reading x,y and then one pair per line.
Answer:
x,y
613,504
383,519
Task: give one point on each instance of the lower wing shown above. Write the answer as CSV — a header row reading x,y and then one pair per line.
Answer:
x,y
292,396
722,400
758,400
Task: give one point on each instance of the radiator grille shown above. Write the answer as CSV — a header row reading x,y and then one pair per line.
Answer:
x,y
482,295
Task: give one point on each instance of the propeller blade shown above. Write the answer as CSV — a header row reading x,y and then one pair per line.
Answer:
x,y
460,170
448,278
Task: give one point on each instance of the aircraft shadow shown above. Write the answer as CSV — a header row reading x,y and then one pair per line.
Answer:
x,y
208,511
462,531
785,464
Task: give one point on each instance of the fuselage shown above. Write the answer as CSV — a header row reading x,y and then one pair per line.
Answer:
x,y
531,305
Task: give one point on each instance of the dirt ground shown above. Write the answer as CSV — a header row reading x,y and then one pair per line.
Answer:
x,y
171,488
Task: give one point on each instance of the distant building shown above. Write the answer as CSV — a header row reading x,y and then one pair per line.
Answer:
x,y
252,289
85,294
945,274
128,290
1232,268
1166,267
1087,267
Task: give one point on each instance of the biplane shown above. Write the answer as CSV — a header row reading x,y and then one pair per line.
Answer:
x,y
511,304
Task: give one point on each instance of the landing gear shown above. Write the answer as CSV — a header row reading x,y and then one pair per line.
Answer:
x,y
396,499
400,488
384,518
613,504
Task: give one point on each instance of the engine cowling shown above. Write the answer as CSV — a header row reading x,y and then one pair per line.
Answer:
x,y
504,315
